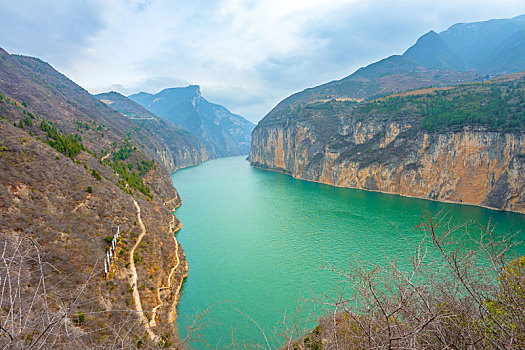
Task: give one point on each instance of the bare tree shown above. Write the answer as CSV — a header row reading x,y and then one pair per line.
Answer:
x,y
37,315
467,296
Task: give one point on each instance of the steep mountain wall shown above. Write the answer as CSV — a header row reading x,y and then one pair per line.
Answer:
x,y
474,167
370,147
224,133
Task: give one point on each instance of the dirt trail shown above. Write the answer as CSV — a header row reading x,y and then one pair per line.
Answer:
x,y
134,277
154,311
171,200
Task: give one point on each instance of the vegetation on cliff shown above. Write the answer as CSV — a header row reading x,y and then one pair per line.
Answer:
x,y
69,145
496,105
489,105
129,178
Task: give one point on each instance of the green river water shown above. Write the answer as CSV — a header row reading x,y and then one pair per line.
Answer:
x,y
255,240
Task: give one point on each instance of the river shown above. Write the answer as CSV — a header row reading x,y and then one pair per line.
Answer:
x,y
255,241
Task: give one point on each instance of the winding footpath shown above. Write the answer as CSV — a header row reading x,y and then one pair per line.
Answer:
x,y
171,200
134,277
154,311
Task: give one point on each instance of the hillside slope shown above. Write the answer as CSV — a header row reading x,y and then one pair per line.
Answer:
x,y
185,149
463,53
223,133
72,170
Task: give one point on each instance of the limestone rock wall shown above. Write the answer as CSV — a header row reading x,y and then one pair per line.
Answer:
x,y
468,166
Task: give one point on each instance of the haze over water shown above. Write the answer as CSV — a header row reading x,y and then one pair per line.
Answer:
x,y
256,239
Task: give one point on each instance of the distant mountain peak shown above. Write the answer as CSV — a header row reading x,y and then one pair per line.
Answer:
x,y
430,50
224,133
430,33
430,38
196,88
197,92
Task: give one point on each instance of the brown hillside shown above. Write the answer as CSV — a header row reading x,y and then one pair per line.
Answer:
x,y
59,201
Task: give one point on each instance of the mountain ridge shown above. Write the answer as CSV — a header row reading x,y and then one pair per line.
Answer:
x,y
223,132
435,59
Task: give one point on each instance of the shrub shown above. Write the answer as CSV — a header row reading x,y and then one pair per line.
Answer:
x,y
69,145
80,318
89,189
96,175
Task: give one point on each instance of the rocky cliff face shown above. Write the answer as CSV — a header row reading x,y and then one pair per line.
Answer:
x,y
474,167
465,164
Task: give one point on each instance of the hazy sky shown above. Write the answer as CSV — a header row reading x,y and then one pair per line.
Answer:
x,y
246,55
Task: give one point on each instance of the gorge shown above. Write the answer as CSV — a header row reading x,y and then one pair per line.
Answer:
x,y
249,242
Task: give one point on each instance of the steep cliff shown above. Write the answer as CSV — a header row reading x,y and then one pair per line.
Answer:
x,y
464,144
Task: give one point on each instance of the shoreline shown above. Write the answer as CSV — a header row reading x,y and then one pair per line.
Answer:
x,y
172,312
389,193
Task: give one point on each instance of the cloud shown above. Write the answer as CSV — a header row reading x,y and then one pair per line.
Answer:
x,y
54,30
246,54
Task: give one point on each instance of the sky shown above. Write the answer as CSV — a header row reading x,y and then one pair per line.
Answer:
x,y
246,55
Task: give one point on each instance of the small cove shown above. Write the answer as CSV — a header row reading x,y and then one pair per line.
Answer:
x,y
255,240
